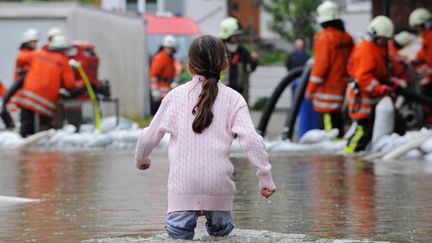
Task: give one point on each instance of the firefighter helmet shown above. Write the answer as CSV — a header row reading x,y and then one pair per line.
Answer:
x,y
229,26
381,26
169,41
419,16
59,41
55,31
404,38
327,11
29,35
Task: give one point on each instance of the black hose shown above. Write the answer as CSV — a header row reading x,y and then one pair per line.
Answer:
x,y
288,129
271,102
14,88
4,114
410,95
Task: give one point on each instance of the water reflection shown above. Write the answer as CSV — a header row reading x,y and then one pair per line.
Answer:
x,y
100,194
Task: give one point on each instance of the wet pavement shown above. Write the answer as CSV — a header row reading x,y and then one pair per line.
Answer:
x,y
99,196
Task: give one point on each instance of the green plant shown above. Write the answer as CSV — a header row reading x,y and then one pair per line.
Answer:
x,y
273,57
259,103
292,18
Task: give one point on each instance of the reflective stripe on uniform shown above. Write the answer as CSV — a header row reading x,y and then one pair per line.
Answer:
x,y
365,101
366,111
371,85
316,79
38,98
333,97
326,105
359,132
31,103
327,122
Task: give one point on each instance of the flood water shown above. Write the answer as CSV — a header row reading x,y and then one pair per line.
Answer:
x,y
99,196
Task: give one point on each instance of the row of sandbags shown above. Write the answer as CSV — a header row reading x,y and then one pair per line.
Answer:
x,y
124,133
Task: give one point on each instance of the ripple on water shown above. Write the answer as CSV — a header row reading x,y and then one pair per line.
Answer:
x,y
237,235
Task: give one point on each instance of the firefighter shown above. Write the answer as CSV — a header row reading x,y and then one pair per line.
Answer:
x,y
421,20
367,67
162,71
54,31
329,78
241,62
398,64
25,56
37,99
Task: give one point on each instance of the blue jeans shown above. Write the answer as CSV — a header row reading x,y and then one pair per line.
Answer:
x,y
181,224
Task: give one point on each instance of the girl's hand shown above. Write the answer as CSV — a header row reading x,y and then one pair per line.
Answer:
x,y
144,166
266,192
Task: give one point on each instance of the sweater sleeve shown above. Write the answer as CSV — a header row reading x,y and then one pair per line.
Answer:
x,y
153,134
321,65
253,145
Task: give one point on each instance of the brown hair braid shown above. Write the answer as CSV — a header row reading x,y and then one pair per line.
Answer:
x,y
207,56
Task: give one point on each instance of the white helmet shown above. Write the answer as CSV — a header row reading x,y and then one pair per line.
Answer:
x,y
59,42
29,35
419,16
169,41
327,11
381,26
404,38
229,27
55,31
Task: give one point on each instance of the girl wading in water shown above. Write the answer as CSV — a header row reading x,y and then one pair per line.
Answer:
x,y
202,117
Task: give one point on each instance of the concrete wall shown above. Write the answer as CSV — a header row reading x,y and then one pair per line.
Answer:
x,y
119,41
120,45
207,13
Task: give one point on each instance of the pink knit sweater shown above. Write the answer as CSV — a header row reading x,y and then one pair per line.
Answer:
x,y
200,170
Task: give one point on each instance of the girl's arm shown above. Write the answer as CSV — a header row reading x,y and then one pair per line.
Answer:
x,y
253,145
152,135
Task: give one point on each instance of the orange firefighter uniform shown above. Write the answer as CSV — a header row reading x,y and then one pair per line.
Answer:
x,y
425,55
162,73
367,65
399,68
329,78
163,69
23,61
50,71
2,89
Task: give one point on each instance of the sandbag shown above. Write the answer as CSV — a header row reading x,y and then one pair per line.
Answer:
x,y
316,136
427,146
384,119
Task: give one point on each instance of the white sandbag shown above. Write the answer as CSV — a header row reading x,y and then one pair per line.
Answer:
x,y
316,135
87,128
384,119
100,140
111,123
427,146
288,146
402,149
131,136
331,146
350,131
9,139
413,154
269,145
69,128
428,157
386,142
74,140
